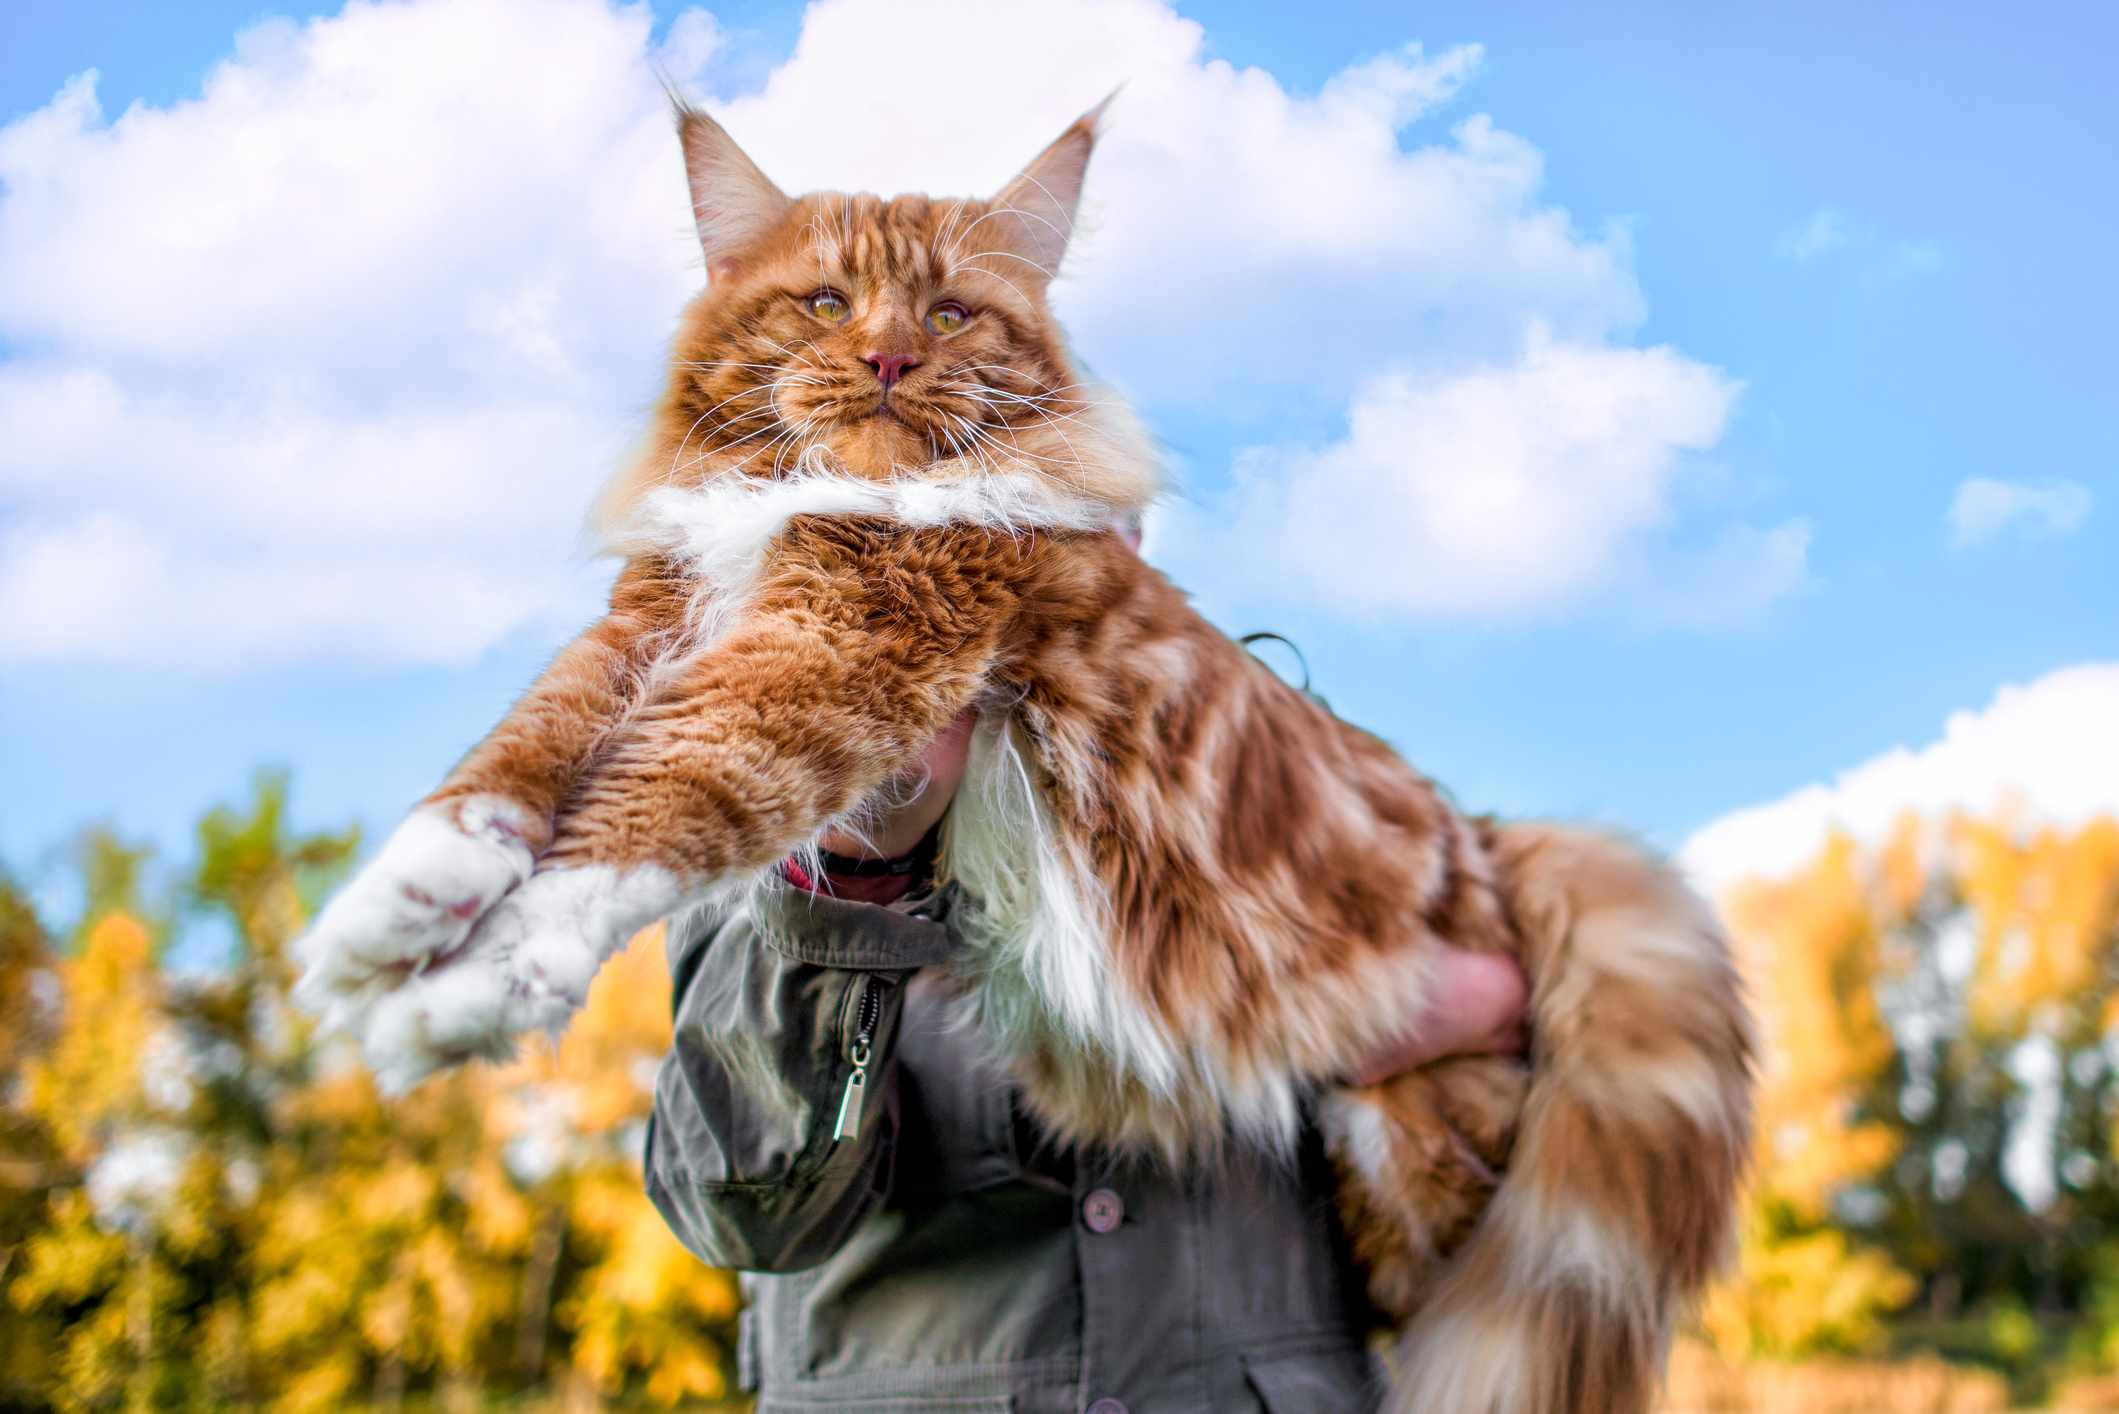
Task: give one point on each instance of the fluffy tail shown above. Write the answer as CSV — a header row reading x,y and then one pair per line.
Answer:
x,y
1619,1200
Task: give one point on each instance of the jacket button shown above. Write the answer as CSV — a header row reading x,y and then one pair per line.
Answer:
x,y
1103,1211
1107,1406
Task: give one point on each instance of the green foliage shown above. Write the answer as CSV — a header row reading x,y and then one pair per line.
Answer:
x,y
30,1164
1938,1109
203,1208
111,872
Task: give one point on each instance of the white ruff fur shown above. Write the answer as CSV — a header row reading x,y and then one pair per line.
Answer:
x,y
1036,924
1037,928
720,529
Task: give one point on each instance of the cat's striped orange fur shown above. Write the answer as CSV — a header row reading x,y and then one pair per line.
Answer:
x,y
876,491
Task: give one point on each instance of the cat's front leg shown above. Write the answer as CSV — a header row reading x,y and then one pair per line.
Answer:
x,y
476,838
841,672
526,966
439,872
614,870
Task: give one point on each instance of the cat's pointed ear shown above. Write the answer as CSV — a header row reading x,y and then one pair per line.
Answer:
x,y
733,202
1037,208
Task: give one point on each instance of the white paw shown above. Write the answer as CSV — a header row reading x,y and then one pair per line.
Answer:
x,y
527,966
473,1006
439,872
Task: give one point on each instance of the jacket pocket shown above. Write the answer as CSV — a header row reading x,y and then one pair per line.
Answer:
x,y
894,1404
1333,1382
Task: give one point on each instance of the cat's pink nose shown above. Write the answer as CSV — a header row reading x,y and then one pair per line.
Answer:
x,y
890,367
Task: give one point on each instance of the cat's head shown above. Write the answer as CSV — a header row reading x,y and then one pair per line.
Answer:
x,y
883,338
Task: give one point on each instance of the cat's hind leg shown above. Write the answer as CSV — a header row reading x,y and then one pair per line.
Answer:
x,y
1418,1157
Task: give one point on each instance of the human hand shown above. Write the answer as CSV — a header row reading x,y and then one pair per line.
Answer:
x,y
1476,1004
897,828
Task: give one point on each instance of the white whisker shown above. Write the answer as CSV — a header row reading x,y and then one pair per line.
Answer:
x,y
1008,255
1057,205
1017,211
993,275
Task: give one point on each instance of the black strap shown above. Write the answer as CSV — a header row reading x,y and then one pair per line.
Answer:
x,y
920,857
1267,635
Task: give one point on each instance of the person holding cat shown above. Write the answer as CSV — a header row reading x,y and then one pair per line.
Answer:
x,y
950,1257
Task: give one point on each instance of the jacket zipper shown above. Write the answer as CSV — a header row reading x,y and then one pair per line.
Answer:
x,y
859,1052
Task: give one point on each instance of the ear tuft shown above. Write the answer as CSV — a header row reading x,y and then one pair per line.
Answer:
x,y
733,203
1038,207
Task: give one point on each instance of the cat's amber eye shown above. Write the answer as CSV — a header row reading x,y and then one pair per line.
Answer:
x,y
947,318
829,306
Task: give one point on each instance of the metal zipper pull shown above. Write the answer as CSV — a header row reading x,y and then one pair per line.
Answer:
x,y
870,1011
849,1126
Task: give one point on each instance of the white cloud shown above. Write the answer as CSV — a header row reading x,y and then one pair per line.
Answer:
x,y
1984,507
1824,230
328,360
1883,263
1498,490
1900,261
1732,579
1240,247
2044,748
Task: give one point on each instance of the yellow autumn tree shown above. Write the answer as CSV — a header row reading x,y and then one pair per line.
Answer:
x,y
1941,1015
641,1307
31,1166
243,1220
89,1087
90,1268
1812,950
2043,903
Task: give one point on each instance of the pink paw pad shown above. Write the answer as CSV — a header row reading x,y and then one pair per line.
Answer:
x,y
494,824
462,908
507,831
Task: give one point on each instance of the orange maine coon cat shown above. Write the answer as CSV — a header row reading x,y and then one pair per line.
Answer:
x,y
876,492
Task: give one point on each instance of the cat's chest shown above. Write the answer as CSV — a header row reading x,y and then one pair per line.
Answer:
x,y
1098,1060
1035,927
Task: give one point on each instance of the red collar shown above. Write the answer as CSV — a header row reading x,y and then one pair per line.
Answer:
x,y
868,880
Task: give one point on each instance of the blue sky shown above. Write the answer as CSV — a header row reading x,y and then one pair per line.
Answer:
x,y
1876,244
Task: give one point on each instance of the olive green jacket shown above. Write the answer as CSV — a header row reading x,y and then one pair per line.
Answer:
x,y
941,1258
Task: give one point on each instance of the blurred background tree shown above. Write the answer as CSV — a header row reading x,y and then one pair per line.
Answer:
x,y
1939,1103
203,1207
